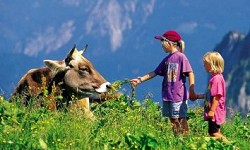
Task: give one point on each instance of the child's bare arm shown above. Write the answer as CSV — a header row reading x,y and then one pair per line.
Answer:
x,y
214,104
192,94
200,96
138,80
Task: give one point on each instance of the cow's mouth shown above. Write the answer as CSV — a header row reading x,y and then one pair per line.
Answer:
x,y
80,92
84,92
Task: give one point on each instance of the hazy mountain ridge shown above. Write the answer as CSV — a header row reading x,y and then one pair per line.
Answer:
x,y
235,49
46,26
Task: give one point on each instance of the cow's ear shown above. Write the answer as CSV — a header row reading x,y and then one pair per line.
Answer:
x,y
55,66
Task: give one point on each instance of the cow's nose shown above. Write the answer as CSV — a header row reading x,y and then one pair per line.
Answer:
x,y
108,85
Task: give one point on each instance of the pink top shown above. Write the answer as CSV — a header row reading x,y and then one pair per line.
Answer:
x,y
216,87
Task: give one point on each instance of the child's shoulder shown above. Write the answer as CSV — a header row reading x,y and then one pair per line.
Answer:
x,y
217,77
181,55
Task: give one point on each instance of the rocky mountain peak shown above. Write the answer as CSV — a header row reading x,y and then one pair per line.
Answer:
x,y
235,48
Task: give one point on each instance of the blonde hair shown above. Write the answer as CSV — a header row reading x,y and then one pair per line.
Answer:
x,y
181,45
215,60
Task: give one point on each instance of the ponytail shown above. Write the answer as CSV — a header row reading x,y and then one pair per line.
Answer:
x,y
181,45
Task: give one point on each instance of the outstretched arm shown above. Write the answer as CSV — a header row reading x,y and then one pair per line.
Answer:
x,y
146,77
200,96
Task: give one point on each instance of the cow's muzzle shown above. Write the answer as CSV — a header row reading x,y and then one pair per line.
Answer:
x,y
103,88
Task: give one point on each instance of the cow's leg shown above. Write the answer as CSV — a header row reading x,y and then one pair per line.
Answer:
x,y
82,104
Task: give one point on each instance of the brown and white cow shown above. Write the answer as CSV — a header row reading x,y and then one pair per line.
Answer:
x,y
71,81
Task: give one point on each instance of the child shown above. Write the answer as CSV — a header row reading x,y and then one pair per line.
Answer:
x,y
174,68
215,96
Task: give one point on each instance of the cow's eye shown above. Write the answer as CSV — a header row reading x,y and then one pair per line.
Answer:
x,y
85,69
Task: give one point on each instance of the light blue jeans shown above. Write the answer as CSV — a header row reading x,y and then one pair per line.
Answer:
x,y
174,109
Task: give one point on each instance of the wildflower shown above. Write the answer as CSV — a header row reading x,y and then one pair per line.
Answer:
x,y
42,143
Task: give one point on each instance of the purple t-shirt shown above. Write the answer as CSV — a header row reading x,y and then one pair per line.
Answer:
x,y
174,69
216,87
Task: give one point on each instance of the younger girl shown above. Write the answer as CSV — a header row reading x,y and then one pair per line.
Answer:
x,y
215,95
174,68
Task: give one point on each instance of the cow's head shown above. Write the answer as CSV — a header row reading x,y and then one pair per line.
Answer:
x,y
79,75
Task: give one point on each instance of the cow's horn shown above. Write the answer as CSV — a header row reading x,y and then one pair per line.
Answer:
x,y
72,51
85,48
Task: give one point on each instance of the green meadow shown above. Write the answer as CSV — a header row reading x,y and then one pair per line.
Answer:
x,y
121,123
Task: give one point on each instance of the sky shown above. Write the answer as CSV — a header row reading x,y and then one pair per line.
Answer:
x,y
116,25
114,19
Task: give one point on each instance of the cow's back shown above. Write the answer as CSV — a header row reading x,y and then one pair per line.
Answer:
x,y
33,81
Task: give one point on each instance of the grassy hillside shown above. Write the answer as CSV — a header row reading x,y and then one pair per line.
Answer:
x,y
122,123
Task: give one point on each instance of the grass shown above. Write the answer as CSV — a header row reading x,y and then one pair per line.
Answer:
x,y
121,123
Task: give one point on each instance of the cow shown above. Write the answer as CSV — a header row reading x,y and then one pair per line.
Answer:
x,y
69,82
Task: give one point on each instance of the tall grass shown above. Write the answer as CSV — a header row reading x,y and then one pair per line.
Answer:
x,y
121,123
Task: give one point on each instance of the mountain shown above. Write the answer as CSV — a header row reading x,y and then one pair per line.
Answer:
x,y
120,35
235,49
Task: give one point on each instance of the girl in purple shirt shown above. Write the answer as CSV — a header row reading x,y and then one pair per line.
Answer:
x,y
215,95
174,69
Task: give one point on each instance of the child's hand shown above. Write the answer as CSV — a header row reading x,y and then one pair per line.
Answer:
x,y
192,95
135,82
211,114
